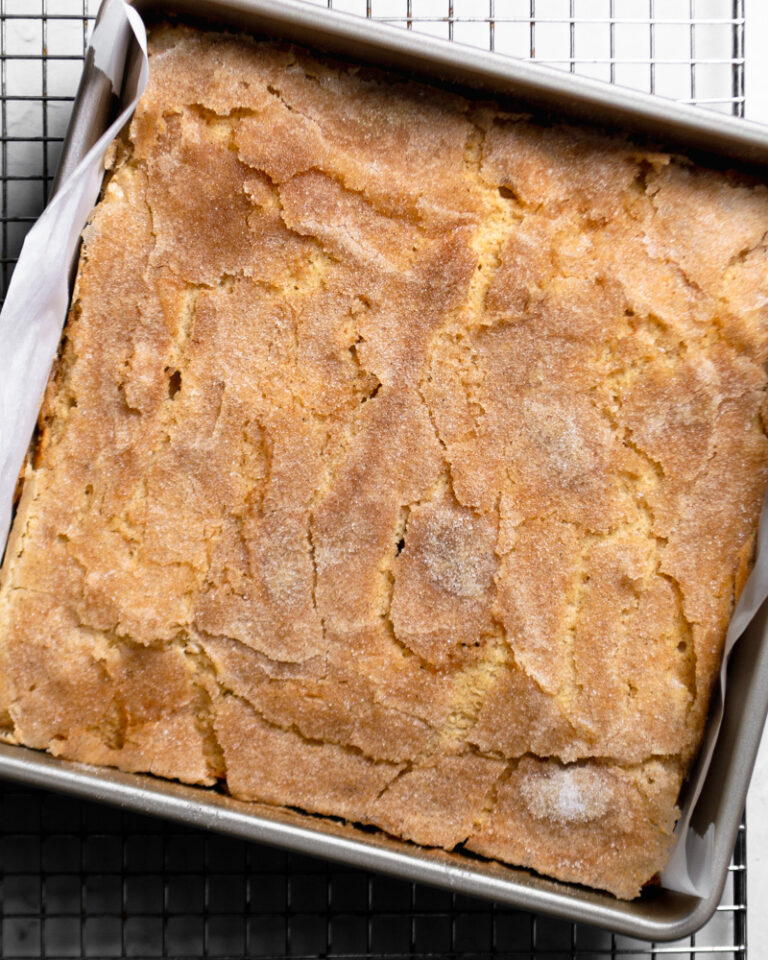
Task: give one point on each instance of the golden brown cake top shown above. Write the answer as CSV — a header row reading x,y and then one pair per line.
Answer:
x,y
402,462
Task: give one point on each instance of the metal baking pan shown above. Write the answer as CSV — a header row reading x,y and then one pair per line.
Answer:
x,y
663,915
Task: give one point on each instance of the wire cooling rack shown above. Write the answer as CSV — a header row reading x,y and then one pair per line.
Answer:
x,y
82,880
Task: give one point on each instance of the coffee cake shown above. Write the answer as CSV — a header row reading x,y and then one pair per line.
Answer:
x,y
402,462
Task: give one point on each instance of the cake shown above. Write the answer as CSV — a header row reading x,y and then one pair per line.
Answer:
x,y
401,463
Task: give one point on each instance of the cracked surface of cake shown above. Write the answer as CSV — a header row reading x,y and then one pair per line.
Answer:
x,y
401,463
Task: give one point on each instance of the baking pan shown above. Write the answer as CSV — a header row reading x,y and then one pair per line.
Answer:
x,y
662,914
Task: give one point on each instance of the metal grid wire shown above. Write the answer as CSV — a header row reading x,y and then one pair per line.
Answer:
x,y
82,880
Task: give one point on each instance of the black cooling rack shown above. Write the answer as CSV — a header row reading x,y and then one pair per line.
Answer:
x,y
85,880
82,880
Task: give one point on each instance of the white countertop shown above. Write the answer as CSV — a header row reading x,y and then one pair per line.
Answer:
x,y
757,854
756,74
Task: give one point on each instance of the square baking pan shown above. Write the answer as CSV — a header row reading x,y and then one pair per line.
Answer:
x,y
662,914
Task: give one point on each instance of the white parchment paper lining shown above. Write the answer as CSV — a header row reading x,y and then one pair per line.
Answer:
x,y
36,305
32,320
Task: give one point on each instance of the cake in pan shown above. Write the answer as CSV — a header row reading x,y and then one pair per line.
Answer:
x,y
401,463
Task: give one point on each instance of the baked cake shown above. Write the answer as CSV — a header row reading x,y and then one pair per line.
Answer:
x,y
402,462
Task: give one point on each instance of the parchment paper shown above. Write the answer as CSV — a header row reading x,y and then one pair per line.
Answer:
x,y
688,867
32,320
36,305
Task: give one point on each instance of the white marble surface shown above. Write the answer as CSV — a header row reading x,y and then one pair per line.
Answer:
x,y
757,855
756,73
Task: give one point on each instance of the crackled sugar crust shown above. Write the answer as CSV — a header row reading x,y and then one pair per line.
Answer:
x,y
402,462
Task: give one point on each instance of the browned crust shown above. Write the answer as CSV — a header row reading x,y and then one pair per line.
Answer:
x,y
402,463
